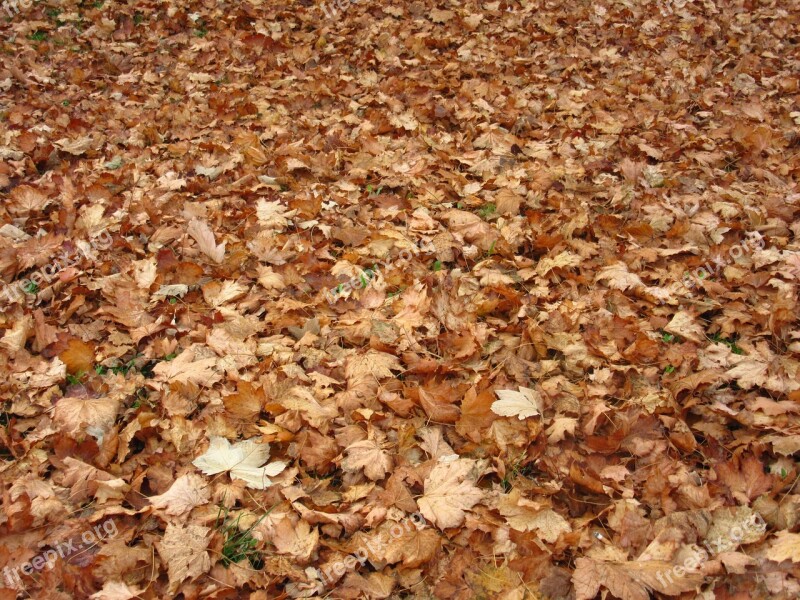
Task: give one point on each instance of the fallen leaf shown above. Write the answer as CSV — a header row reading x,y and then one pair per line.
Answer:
x,y
449,491
243,460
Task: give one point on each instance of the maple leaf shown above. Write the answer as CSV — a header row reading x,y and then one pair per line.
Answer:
x,y
217,294
373,365
78,146
785,546
273,215
206,242
630,580
525,515
685,325
449,491
243,460
184,550
560,427
793,264
27,199
525,403
188,492
746,480
619,277
116,590
301,399
185,369
295,539
413,548
93,415
369,455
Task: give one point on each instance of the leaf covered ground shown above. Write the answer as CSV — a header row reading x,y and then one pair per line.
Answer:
x,y
413,300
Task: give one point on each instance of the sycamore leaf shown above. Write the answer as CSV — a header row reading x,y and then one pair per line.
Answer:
x,y
526,515
414,548
78,146
301,399
116,590
685,325
367,454
186,493
619,278
185,369
273,215
785,547
373,365
93,415
449,492
26,199
522,404
243,460
631,580
184,550
560,427
295,539
204,237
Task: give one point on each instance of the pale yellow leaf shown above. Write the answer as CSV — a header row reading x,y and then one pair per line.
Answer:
x,y
449,492
367,455
525,403
187,492
202,234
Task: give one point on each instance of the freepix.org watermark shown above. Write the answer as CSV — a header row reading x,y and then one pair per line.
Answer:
x,y
366,277
12,7
321,578
105,530
28,287
723,543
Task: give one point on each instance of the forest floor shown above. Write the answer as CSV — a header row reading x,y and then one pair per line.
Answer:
x,y
445,300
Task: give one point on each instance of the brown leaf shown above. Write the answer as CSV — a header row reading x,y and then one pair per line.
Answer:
x,y
744,477
184,550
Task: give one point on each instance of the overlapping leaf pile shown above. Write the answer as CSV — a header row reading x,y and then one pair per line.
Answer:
x,y
534,179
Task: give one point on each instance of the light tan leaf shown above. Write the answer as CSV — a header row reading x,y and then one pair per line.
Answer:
x,y
185,369
184,550
217,294
525,403
243,460
449,492
270,279
619,277
145,272
369,455
296,540
630,580
93,415
749,373
186,493
413,548
78,146
525,515
116,590
26,199
560,427
301,399
206,242
273,215
564,260
685,325
373,365
786,546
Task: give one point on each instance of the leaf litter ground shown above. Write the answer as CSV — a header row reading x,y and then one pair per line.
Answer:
x,y
280,277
